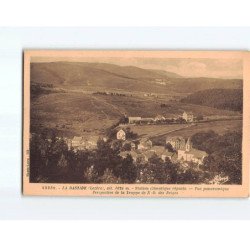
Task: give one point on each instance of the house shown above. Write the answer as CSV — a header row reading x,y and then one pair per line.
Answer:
x,y
188,116
91,142
132,120
82,143
162,153
144,144
159,118
177,142
159,150
121,135
190,154
160,81
147,120
76,141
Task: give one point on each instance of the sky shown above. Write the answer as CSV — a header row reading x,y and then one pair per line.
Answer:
x,y
186,67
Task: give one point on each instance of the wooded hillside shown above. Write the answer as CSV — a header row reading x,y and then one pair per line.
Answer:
x,y
228,99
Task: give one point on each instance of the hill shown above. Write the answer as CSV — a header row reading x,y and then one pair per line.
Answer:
x,y
97,76
228,99
89,76
76,113
202,83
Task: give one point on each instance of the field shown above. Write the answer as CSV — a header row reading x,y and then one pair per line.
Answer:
x,y
158,133
72,114
77,113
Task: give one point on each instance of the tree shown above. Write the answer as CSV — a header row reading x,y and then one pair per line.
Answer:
x,y
169,147
91,175
126,170
200,139
109,178
38,158
130,134
157,171
190,176
123,120
225,157
126,147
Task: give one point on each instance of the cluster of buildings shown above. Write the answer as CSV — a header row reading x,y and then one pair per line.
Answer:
x,y
160,81
185,150
143,150
187,116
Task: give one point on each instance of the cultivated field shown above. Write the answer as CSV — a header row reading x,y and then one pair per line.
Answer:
x,y
72,113
158,133
76,113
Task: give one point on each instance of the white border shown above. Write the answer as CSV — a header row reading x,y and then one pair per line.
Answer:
x,y
124,13
14,40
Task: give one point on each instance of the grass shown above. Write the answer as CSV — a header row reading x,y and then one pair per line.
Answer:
x,y
220,127
77,113
73,112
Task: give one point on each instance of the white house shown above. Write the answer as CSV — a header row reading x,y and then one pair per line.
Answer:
x,y
91,142
134,119
188,116
76,141
82,143
159,118
121,135
160,81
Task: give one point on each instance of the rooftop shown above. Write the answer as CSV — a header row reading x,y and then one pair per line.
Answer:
x,y
199,154
175,138
158,149
149,153
77,138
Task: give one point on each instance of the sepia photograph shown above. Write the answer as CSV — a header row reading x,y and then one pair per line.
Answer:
x,y
134,118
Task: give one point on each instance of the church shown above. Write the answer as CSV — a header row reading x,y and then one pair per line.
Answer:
x,y
190,154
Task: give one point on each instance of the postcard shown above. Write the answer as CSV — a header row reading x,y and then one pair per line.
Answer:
x,y
136,123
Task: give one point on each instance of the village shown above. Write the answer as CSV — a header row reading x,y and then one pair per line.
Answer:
x,y
176,148
187,117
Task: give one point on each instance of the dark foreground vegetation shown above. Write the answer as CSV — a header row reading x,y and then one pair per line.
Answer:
x,y
52,162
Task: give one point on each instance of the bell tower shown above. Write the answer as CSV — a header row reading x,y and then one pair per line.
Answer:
x,y
188,145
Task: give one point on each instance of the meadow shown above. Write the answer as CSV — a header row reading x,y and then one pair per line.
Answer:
x,y
77,113
159,133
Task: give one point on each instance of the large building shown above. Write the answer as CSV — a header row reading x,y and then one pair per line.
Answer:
x,y
134,119
177,142
188,116
76,141
162,153
190,154
82,143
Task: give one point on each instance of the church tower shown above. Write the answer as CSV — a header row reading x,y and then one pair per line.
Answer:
x,y
188,145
